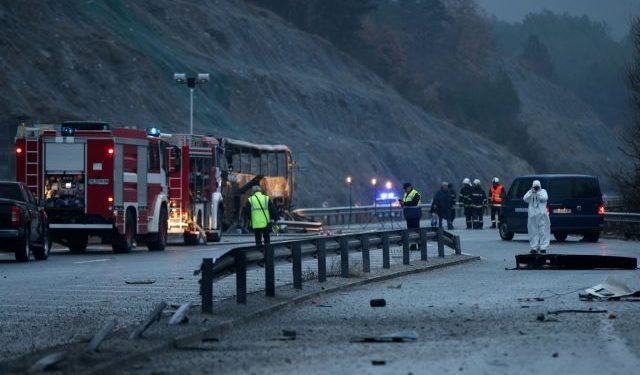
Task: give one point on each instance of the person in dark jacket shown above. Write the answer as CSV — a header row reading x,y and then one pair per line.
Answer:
x,y
478,201
452,212
465,200
441,204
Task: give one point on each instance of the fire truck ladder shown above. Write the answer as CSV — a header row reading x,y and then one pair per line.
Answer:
x,y
32,167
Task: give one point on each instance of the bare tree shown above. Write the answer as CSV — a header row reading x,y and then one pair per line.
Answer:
x,y
629,179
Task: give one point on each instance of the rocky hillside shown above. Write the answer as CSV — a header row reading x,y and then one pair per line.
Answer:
x,y
114,61
572,138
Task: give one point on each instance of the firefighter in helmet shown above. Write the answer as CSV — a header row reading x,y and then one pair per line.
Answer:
x,y
261,213
478,201
465,200
497,195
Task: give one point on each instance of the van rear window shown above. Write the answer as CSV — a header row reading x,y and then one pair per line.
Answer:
x,y
573,188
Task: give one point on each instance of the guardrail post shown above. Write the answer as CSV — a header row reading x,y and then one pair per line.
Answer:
x,y
241,276
296,255
406,258
385,250
423,244
344,256
321,245
366,262
456,245
440,242
269,271
206,285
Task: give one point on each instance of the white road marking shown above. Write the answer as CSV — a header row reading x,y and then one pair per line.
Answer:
x,y
91,261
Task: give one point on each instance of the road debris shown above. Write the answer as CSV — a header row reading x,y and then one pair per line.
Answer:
x,y
155,315
613,316
400,336
610,289
139,282
180,316
101,335
287,335
378,362
574,262
531,299
395,286
378,302
590,311
47,362
315,302
543,318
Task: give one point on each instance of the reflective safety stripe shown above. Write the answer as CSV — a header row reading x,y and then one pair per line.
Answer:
x,y
408,197
259,210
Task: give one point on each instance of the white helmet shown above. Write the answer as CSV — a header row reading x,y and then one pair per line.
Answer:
x,y
496,180
476,182
466,181
536,183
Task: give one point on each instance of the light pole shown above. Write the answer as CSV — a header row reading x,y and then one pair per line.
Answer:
x,y
191,82
388,185
374,182
350,202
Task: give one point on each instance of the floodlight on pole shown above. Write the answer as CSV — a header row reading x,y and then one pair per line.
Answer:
x,y
191,82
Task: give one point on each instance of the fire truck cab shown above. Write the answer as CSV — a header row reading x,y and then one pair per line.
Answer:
x,y
95,180
195,199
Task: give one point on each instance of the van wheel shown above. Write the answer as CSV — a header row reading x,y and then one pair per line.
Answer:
x,y
560,237
592,236
159,241
23,248
125,243
505,234
78,243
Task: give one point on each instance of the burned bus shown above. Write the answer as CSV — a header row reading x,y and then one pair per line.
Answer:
x,y
246,164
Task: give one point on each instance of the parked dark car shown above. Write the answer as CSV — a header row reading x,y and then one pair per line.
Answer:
x,y
24,228
575,206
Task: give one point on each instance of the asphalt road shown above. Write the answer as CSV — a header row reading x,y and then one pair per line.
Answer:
x,y
468,319
67,297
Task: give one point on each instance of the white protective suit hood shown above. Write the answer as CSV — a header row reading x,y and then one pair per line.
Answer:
x,y
538,223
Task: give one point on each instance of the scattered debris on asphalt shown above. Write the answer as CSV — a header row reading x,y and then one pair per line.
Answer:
x,y
395,286
531,299
610,289
287,335
155,315
378,302
315,302
574,262
180,316
47,362
376,362
543,318
101,335
555,355
139,282
613,315
400,336
589,311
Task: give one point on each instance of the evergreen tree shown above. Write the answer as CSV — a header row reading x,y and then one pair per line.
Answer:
x,y
537,58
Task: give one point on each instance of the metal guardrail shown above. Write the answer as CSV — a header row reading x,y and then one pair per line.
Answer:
x,y
622,217
237,260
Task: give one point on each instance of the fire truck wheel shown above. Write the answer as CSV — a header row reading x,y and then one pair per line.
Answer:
x,y
23,248
159,241
125,243
78,243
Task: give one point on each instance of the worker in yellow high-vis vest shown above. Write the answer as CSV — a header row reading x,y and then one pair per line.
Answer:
x,y
261,214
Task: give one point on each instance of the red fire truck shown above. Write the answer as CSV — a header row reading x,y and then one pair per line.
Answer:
x,y
97,180
195,200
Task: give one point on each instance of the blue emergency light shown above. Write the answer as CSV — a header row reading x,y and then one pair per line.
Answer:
x,y
153,132
67,131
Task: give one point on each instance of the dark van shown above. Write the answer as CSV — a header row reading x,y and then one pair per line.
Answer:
x,y
575,206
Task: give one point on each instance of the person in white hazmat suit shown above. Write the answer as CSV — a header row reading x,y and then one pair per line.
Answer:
x,y
538,224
